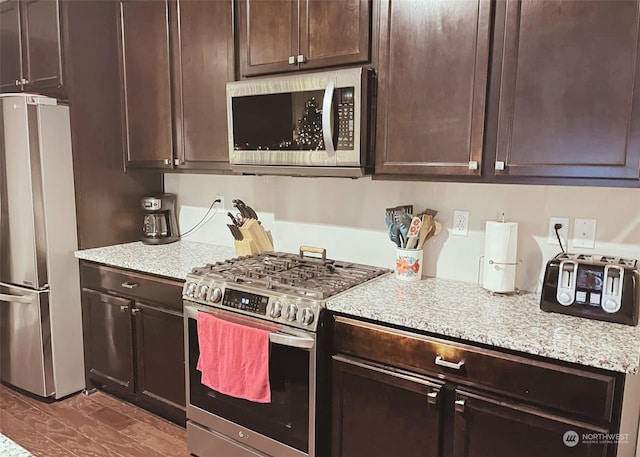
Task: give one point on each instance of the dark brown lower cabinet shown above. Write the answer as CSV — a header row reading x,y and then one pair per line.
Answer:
x,y
134,338
399,393
108,348
378,412
487,426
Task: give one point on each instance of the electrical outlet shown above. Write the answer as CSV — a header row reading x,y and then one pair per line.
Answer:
x,y
584,233
563,232
460,223
221,205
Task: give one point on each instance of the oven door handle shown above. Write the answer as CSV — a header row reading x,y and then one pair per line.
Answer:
x,y
327,134
292,341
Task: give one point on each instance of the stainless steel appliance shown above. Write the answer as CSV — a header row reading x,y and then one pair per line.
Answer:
x,y
40,313
313,124
160,225
285,294
593,286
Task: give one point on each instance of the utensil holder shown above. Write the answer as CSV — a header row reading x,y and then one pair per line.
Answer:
x,y
409,264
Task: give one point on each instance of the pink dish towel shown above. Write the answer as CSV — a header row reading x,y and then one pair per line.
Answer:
x,y
234,359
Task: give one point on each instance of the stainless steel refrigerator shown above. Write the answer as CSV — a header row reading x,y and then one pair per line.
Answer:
x,y
40,314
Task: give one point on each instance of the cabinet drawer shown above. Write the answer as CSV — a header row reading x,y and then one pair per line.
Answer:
x,y
135,285
580,392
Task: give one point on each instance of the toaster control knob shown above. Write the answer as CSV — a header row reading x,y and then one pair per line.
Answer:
x,y
305,316
215,294
190,289
276,309
610,306
291,312
202,292
564,299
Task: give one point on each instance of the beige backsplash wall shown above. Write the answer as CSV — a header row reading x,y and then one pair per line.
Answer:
x,y
346,217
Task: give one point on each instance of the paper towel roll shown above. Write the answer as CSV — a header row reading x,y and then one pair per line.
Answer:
x,y
500,256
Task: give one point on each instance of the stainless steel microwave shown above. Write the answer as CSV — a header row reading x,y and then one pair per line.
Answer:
x,y
312,124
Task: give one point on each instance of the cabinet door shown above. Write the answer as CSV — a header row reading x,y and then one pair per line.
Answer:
x,y
334,32
381,413
10,47
204,56
485,426
568,97
106,322
160,354
431,98
146,85
42,49
268,36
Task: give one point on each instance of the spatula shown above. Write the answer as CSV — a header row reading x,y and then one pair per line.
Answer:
x,y
414,232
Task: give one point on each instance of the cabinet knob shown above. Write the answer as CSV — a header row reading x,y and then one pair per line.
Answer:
x,y
17,82
167,161
473,165
124,308
432,397
25,81
135,311
292,60
499,165
301,58
460,406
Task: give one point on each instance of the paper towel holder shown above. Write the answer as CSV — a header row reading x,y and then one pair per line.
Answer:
x,y
515,291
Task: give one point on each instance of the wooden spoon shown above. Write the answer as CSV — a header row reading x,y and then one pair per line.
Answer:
x,y
427,226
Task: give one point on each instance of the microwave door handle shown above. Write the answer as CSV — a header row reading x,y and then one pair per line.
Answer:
x,y
25,299
291,341
327,103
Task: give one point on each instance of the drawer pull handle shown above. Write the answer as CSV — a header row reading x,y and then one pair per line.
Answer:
x,y
432,397
129,285
135,311
443,363
124,308
460,406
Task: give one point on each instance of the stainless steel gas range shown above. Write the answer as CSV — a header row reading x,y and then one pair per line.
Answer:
x,y
284,294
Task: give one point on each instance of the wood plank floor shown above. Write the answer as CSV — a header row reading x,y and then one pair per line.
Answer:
x,y
95,425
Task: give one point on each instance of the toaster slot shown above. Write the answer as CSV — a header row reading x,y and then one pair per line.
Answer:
x,y
612,294
566,292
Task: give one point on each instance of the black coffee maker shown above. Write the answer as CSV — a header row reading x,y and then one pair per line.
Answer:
x,y
159,225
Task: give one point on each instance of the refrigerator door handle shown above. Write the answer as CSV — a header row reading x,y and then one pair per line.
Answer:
x,y
26,299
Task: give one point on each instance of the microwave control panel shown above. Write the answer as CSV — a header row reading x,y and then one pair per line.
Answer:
x,y
344,96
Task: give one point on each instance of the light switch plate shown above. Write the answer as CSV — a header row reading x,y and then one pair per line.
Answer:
x,y
584,233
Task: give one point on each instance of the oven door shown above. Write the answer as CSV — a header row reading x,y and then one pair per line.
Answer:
x,y
286,426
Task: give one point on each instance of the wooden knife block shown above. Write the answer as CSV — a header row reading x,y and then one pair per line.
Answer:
x,y
255,239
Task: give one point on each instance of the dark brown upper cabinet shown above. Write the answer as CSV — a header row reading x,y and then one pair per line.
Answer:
x,y
280,36
432,86
30,47
176,58
569,100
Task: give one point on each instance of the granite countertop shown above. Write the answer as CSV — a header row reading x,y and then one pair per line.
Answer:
x,y
172,260
469,312
443,307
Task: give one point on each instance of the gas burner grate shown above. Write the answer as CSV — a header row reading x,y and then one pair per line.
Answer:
x,y
290,273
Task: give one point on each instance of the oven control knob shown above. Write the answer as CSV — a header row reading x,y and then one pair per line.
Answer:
x,y
291,312
276,309
190,289
215,294
564,299
305,316
202,292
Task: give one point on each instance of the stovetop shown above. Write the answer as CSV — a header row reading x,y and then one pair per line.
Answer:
x,y
276,286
